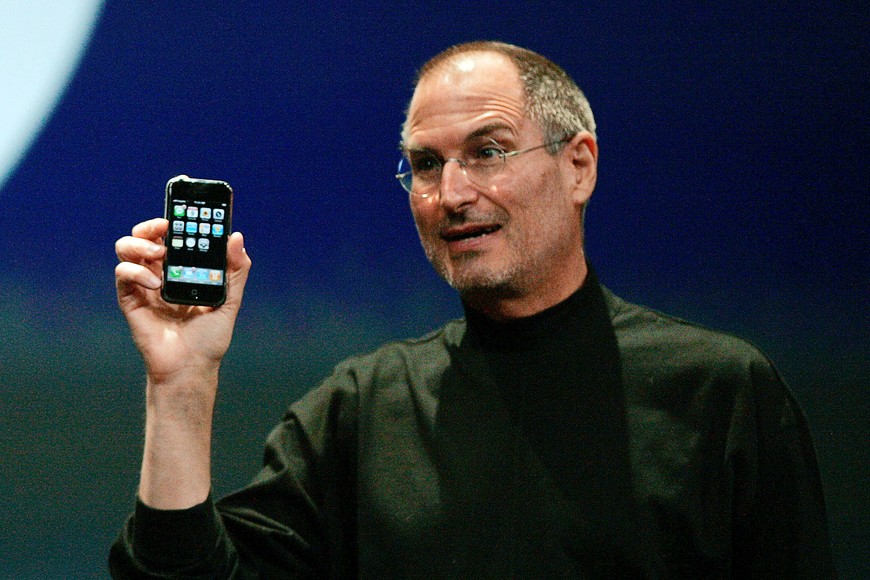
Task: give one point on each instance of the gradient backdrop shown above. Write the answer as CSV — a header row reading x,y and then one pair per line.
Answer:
x,y
732,191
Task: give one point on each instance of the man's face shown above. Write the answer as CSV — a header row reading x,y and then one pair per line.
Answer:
x,y
517,237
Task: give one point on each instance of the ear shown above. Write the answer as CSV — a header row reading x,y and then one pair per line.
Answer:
x,y
582,154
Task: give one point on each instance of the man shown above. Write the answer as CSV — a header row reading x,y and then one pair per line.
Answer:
x,y
556,431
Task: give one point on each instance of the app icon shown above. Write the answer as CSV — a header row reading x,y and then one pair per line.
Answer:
x,y
190,242
202,275
217,230
177,226
218,214
204,229
215,276
175,272
203,244
177,242
189,273
205,213
179,210
191,227
192,213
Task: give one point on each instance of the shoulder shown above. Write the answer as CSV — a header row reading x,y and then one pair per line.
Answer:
x,y
416,363
649,337
420,356
693,374
391,372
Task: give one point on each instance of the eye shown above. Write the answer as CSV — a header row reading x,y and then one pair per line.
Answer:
x,y
424,164
487,153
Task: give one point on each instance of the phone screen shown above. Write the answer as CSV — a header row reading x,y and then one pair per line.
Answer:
x,y
199,213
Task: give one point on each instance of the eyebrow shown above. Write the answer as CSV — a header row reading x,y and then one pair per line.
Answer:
x,y
482,131
486,130
405,149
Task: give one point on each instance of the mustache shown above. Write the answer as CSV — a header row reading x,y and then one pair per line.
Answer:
x,y
473,218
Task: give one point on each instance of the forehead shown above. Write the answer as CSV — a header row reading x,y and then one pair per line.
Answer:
x,y
466,93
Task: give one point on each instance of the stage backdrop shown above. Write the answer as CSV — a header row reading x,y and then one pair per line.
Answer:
x,y
732,191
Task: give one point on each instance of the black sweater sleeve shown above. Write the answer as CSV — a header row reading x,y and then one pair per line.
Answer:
x,y
781,525
294,520
159,543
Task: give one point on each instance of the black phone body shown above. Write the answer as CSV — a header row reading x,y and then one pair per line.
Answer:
x,y
200,217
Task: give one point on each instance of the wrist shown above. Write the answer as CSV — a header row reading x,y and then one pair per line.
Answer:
x,y
191,372
176,464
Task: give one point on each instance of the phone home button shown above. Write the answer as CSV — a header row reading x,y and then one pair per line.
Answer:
x,y
194,293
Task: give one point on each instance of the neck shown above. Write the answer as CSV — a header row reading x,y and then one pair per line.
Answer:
x,y
507,305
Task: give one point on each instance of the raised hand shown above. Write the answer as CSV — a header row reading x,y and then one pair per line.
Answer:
x,y
174,337
182,347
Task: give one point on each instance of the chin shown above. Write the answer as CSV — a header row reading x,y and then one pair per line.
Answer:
x,y
481,282
473,273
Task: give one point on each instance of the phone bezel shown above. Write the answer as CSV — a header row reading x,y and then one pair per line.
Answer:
x,y
207,190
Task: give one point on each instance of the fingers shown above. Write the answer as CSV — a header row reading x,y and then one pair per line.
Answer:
x,y
140,256
128,275
138,250
153,229
145,243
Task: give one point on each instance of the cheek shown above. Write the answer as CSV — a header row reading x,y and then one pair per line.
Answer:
x,y
549,215
424,217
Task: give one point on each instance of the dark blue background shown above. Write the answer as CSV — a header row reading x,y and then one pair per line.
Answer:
x,y
732,191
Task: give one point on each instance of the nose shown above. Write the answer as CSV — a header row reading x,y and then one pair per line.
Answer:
x,y
456,190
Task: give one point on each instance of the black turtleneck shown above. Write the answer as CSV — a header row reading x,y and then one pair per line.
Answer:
x,y
532,448
558,375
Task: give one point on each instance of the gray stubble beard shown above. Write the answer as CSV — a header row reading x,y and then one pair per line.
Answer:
x,y
491,285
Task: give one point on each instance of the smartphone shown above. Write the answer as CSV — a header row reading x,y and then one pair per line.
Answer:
x,y
200,216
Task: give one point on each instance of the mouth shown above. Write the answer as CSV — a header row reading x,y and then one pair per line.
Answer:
x,y
468,232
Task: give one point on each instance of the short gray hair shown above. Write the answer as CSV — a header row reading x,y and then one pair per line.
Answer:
x,y
553,99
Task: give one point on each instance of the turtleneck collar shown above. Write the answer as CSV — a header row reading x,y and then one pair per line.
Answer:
x,y
527,332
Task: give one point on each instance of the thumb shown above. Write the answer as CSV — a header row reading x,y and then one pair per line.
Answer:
x,y
238,267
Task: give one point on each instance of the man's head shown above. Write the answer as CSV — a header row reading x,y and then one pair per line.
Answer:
x,y
553,99
509,239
